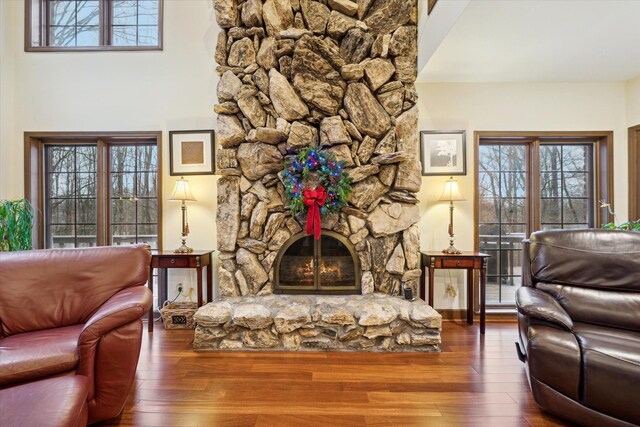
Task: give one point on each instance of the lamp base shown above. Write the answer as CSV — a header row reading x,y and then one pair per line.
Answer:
x,y
183,249
451,249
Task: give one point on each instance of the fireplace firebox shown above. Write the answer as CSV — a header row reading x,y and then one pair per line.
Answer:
x,y
328,265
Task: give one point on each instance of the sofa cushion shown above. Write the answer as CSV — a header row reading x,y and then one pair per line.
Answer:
x,y
24,357
611,369
54,402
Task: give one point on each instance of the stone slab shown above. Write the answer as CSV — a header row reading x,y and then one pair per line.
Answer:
x,y
372,322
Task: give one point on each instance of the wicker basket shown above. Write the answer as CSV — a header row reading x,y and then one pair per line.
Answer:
x,y
178,315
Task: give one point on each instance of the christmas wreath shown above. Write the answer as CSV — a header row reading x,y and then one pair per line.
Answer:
x,y
316,182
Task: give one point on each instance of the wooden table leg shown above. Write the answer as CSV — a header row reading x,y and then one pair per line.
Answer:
x,y
431,280
483,295
470,296
199,290
150,283
209,282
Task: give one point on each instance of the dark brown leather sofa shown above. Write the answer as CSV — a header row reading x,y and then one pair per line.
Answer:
x,y
73,312
579,324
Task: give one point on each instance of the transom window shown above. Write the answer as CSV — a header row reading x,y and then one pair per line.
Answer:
x,y
94,24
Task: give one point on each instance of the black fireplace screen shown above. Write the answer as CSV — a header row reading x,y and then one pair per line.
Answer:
x,y
328,265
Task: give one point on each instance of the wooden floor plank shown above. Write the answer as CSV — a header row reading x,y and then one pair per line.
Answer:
x,y
474,381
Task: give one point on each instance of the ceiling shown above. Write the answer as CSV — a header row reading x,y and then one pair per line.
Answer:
x,y
540,41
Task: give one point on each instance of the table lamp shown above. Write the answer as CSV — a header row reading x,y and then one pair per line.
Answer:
x,y
451,194
182,193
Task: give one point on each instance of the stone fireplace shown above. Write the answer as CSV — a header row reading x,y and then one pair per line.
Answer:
x,y
337,75
328,265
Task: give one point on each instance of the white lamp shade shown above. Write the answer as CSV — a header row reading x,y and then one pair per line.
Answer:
x,y
451,191
182,191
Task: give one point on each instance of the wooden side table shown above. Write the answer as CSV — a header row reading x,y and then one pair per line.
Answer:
x,y
469,261
164,260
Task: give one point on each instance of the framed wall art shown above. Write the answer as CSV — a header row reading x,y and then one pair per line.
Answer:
x,y
192,152
443,152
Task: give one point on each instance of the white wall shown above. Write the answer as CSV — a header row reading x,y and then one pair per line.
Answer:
x,y
173,89
633,102
509,107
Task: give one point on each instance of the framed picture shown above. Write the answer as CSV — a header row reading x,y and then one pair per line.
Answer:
x,y
192,152
443,152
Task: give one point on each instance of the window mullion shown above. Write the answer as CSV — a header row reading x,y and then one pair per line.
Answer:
x,y
102,194
105,23
534,198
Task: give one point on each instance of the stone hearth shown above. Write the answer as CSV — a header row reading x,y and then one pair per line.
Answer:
x,y
374,322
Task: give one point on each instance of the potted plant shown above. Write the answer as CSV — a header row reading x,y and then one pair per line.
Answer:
x,y
16,224
626,226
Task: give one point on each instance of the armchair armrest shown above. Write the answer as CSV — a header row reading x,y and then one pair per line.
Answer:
x,y
126,306
539,305
117,314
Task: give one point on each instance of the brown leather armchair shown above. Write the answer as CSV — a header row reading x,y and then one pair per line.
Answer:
x,y
74,311
579,324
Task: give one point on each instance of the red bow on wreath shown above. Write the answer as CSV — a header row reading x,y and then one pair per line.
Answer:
x,y
313,199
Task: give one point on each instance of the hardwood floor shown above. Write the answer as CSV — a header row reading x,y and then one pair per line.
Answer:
x,y
474,381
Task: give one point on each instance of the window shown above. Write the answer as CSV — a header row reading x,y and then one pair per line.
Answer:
x,y
535,182
93,24
96,190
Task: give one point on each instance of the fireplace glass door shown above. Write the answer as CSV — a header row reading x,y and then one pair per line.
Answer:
x,y
327,265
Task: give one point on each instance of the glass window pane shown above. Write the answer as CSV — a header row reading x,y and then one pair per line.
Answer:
x,y
123,158
86,211
123,234
489,210
61,236
124,36
86,158
512,157
147,184
147,36
63,12
147,158
62,36
86,184
147,210
61,184
575,157
123,185
123,211
575,210
86,236
513,184
148,12
575,185
489,184
88,36
489,158
88,13
124,12
550,158
62,211
550,211
513,210
550,184
60,159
